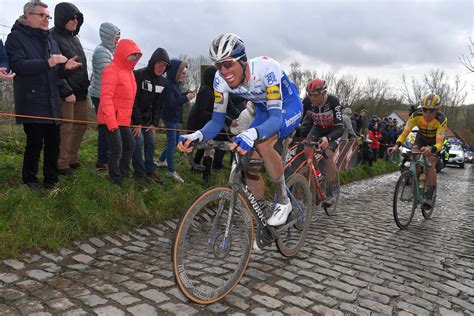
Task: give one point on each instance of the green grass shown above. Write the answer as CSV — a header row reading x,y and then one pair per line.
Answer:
x,y
364,171
87,204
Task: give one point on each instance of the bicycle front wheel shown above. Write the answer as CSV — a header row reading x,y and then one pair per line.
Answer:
x,y
404,199
292,234
211,253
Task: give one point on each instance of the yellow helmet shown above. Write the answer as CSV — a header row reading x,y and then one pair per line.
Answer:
x,y
432,101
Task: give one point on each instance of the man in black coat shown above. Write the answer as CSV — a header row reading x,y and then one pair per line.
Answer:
x,y
73,90
37,61
146,113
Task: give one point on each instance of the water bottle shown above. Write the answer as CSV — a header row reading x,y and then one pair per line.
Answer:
x,y
422,181
319,176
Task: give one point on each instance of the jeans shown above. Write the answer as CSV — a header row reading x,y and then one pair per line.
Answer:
x,y
36,136
102,142
171,142
142,167
121,145
72,133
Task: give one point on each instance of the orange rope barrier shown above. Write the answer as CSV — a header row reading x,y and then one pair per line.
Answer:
x,y
96,123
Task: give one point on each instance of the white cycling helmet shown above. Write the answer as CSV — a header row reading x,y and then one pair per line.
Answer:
x,y
228,45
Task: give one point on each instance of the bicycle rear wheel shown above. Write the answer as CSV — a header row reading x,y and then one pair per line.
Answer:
x,y
404,199
330,209
292,234
207,264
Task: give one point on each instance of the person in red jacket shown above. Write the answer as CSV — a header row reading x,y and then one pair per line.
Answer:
x,y
117,95
375,136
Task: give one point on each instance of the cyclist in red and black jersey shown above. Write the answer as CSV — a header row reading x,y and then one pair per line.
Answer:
x,y
323,122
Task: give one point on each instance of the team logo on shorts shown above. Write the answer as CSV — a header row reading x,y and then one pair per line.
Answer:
x,y
273,93
218,97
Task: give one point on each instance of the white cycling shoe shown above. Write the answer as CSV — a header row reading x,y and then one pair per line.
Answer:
x,y
280,214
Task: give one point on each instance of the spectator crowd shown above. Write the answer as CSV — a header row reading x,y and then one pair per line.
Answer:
x,y
48,67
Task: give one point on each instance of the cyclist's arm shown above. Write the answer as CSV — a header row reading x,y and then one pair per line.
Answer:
x,y
408,127
338,129
221,98
274,102
440,135
306,125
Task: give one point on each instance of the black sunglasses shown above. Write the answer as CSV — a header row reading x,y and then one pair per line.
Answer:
x,y
74,17
429,110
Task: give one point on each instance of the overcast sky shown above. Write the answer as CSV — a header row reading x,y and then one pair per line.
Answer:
x,y
376,38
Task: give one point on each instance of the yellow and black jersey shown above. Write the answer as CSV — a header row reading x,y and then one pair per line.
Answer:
x,y
435,129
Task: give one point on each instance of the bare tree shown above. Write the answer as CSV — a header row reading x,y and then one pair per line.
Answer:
x,y
296,74
412,91
434,81
192,80
467,60
346,88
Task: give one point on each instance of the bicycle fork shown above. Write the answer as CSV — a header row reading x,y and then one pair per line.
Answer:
x,y
225,242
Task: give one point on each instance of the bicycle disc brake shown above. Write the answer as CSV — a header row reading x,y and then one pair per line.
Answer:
x,y
222,245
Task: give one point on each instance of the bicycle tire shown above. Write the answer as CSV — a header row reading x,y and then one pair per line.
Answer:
x,y
206,267
428,213
331,210
405,185
292,236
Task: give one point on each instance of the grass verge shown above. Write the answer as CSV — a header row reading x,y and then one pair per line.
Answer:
x,y
87,204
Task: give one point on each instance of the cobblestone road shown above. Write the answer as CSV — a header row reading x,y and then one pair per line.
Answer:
x,y
358,262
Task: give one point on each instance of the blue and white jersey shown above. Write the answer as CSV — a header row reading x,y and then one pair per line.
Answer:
x,y
268,86
278,106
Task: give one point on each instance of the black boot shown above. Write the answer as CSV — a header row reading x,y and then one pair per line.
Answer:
x,y
206,173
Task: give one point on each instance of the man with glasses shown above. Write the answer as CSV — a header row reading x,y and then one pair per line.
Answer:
x,y
323,123
38,63
432,125
278,112
73,90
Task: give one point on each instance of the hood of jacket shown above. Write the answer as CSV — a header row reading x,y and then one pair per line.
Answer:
x,y
177,66
107,33
208,76
63,12
160,54
124,48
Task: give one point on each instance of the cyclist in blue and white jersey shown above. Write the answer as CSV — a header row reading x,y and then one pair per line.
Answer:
x,y
278,112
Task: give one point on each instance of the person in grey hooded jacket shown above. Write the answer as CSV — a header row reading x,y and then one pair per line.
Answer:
x,y
102,56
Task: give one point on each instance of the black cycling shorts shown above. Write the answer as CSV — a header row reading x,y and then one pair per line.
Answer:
x,y
422,141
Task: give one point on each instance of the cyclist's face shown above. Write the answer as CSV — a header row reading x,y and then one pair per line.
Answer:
x,y
317,99
231,71
428,115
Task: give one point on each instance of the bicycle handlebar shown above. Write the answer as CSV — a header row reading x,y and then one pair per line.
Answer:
x,y
212,144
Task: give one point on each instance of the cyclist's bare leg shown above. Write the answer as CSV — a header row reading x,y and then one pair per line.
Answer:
x,y
431,171
274,167
330,165
418,168
253,178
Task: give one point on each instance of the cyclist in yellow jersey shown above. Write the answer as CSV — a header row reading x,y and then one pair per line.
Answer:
x,y
432,125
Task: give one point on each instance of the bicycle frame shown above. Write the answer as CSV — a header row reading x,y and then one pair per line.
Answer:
x,y
417,159
312,176
310,154
238,185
